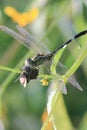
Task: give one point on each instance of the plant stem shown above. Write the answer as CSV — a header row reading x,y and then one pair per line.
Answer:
x,y
57,94
10,69
77,63
55,61
0,106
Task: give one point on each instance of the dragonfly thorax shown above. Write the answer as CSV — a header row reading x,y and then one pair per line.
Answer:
x,y
29,63
39,59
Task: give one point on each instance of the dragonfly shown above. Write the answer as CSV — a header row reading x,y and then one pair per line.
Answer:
x,y
30,70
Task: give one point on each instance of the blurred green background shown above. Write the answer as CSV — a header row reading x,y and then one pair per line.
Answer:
x,y
58,21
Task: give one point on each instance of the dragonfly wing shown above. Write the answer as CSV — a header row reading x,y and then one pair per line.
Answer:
x,y
61,86
28,39
24,37
40,47
57,85
63,89
74,82
61,69
15,35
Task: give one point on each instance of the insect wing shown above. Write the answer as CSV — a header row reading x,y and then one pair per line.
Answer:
x,y
75,83
34,42
29,41
58,85
26,39
63,89
14,34
62,69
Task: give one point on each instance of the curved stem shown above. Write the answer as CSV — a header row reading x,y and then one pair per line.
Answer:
x,y
77,63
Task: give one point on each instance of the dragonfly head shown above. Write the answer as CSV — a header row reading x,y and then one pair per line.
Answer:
x,y
28,74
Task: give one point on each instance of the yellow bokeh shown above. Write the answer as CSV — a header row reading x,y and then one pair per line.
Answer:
x,y
24,18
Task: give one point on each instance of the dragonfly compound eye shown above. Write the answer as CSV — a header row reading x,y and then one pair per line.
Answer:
x,y
28,74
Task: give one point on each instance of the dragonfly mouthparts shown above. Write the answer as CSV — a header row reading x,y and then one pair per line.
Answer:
x,y
28,73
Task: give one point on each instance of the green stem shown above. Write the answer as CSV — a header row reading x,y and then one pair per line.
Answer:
x,y
57,94
0,106
10,69
77,63
55,61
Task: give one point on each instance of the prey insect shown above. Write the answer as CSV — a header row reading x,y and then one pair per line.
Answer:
x,y
30,70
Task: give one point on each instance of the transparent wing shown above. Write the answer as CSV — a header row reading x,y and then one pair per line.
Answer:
x,y
75,83
35,42
61,69
26,39
57,85
14,34
63,89
53,92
